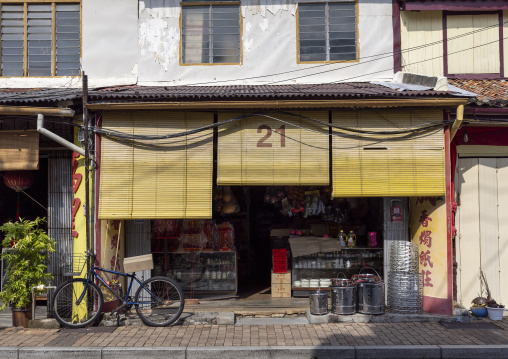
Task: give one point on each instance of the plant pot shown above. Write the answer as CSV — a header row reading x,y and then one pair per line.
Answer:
x,y
21,316
479,312
495,313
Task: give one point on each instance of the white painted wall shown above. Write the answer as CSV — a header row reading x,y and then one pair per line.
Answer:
x,y
269,47
137,41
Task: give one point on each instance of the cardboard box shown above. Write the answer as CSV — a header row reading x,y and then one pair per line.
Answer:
x,y
281,290
281,278
138,263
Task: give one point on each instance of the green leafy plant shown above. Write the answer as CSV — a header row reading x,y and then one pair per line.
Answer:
x,y
25,263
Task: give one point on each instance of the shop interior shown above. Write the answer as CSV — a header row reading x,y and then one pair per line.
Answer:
x,y
232,255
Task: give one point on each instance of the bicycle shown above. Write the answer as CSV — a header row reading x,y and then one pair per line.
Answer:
x,y
78,302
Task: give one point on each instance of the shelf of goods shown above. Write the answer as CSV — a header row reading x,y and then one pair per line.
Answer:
x,y
200,272
309,273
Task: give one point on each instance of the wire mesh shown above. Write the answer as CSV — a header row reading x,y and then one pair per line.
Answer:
x,y
405,285
404,257
73,264
405,293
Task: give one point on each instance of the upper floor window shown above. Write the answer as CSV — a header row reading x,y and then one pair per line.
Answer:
x,y
40,39
327,31
211,34
473,44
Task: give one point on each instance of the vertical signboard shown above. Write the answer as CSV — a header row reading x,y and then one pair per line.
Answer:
x,y
428,223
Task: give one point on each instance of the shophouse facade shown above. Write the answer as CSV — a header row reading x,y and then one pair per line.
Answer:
x,y
192,100
468,45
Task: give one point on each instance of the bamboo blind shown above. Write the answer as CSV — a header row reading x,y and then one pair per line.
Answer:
x,y
381,166
19,150
262,151
156,179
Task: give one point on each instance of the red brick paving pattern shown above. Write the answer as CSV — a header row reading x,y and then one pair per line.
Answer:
x,y
261,335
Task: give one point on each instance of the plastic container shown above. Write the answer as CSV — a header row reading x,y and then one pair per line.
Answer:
x,y
495,313
479,312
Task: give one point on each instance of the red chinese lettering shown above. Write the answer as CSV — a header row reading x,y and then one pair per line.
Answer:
x,y
425,238
426,278
115,266
116,224
114,241
76,202
425,259
432,200
424,218
76,182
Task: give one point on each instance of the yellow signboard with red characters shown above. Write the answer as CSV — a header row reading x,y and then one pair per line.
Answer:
x,y
428,223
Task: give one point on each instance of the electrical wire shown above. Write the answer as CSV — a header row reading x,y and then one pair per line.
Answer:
x,y
376,57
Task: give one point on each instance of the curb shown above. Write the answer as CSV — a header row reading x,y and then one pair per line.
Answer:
x,y
261,352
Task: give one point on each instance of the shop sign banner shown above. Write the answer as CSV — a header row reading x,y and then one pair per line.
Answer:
x,y
429,232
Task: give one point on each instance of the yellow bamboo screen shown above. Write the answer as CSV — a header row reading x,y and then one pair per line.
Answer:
x,y
19,150
266,151
169,178
480,47
382,165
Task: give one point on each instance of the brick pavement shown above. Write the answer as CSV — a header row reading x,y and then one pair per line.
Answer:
x,y
330,334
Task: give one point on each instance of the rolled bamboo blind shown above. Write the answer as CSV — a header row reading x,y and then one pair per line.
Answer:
x,y
278,150
169,178
19,150
383,165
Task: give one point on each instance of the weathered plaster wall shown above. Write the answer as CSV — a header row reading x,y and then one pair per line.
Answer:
x,y
268,44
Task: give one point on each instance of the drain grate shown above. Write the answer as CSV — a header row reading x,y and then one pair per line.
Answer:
x,y
470,325
88,330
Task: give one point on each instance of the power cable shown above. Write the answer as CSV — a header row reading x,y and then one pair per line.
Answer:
x,y
376,57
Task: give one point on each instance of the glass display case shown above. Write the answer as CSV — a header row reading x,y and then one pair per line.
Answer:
x,y
202,272
314,271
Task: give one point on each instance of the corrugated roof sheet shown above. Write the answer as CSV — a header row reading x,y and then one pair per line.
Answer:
x,y
257,92
36,96
134,93
490,92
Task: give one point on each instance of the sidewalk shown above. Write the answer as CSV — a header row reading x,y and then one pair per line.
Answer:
x,y
330,340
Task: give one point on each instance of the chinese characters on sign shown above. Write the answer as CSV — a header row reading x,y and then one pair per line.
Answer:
x,y
76,182
428,229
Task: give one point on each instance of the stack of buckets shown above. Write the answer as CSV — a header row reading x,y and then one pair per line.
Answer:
x,y
364,291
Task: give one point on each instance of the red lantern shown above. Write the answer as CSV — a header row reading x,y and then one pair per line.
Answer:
x,y
18,181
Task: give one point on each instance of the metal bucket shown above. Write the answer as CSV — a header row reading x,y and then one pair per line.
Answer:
x,y
371,297
343,300
318,303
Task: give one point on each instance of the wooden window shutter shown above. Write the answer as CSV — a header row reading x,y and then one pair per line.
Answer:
x,y
169,178
388,166
262,151
19,150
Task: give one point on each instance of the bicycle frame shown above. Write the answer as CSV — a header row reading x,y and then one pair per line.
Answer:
x,y
92,274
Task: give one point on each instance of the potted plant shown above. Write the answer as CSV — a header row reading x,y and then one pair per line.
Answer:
x,y
495,310
25,265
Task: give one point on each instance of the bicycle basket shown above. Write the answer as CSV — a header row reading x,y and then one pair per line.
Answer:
x,y
73,264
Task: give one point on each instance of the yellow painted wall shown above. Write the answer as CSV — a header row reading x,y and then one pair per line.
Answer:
x,y
112,252
473,53
78,214
419,29
429,232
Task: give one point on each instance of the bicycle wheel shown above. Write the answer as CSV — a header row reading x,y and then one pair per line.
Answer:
x,y
72,315
160,301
